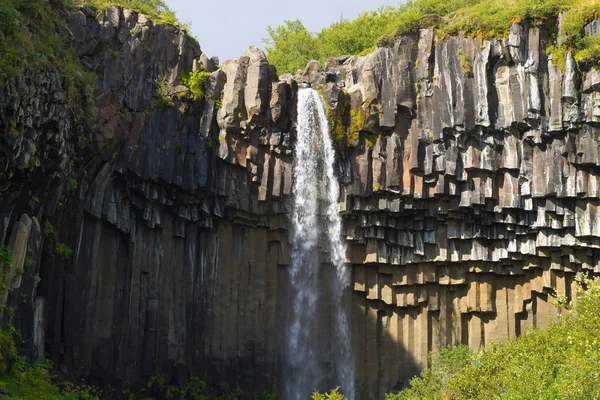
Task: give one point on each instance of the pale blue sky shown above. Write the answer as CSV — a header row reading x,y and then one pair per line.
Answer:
x,y
225,28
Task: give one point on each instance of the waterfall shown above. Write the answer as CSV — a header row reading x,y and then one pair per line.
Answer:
x,y
315,215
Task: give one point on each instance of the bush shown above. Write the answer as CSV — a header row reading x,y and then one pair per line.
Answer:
x,y
560,362
290,46
8,349
331,395
63,250
196,82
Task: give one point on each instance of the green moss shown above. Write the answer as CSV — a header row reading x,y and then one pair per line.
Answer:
x,y
339,118
588,54
161,99
63,250
71,184
6,257
49,231
36,280
28,257
386,40
13,131
356,124
465,63
370,138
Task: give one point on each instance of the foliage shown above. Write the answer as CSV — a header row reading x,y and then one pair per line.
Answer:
x,y
71,184
34,381
162,98
195,389
196,82
63,250
8,349
356,124
290,46
156,10
33,34
464,62
60,248
339,120
269,396
6,256
49,231
559,362
331,395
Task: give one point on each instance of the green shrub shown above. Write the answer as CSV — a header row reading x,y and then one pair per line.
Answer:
x,y
63,250
49,231
559,362
34,381
196,82
8,348
290,46
71,184
331,395
6,257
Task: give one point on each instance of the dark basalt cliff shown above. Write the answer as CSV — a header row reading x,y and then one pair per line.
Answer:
x,y
469,177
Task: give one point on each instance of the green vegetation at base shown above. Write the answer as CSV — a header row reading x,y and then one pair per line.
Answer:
x,y
559,362
29,381
290,46
333,394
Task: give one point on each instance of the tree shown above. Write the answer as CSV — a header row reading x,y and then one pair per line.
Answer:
x,y
290,46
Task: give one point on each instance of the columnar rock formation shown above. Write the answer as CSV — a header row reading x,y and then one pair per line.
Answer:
x,y
469,188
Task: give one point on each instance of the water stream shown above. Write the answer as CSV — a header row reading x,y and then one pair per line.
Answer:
x,y
317,227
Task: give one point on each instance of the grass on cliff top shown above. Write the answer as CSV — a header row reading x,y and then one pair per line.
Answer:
x,y
290,46
156,10
559,362
33,34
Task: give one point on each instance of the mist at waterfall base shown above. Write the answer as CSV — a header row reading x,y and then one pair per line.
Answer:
x,y
313,360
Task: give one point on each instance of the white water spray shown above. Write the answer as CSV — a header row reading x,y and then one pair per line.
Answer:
x,y
315,185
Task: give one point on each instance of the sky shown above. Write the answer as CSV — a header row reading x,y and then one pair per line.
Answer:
x,y
225,28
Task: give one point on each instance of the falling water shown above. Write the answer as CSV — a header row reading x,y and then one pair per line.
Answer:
x,y
315,213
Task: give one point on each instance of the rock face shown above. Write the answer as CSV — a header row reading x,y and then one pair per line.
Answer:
x,y
469,189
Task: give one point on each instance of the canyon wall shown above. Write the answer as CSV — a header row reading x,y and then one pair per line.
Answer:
x,y
469,185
